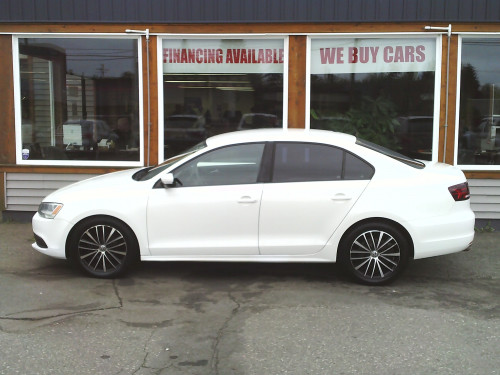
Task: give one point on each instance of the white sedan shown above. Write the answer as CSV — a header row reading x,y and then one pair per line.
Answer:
x,y
264,196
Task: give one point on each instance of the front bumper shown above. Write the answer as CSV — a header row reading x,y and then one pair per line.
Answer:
x,y
52,233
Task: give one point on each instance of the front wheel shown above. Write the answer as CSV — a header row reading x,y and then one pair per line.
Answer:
x,y
103,247
374,253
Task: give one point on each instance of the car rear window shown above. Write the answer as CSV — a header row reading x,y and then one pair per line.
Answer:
x,y
392,154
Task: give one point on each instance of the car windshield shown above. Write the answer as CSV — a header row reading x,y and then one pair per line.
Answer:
x,y
150,172
392,154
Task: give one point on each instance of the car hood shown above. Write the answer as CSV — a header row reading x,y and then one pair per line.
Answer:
x,y
116,181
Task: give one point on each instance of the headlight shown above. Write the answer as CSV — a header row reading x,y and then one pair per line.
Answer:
x,y
49,210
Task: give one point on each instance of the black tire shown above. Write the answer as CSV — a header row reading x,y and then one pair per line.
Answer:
x,y
103,247
374,253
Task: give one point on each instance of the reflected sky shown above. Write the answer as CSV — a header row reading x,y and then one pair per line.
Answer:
x,y
91,56
484,55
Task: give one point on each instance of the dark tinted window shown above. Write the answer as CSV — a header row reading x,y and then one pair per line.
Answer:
x,y
356,169
295,162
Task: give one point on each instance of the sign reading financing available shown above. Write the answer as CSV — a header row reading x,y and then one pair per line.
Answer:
x,y
363,55
223,56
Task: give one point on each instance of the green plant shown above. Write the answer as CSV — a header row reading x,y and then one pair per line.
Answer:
x,y
486,229
371,119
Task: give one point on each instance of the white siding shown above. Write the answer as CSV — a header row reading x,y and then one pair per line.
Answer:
x,y
485,198
25,191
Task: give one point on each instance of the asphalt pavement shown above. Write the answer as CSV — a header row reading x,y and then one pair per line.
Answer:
x,y
441,317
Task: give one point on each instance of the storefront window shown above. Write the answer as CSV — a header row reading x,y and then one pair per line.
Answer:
x,y
379,89
213,86
479,113
79,101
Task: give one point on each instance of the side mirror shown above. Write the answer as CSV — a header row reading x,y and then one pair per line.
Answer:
x,y
168,179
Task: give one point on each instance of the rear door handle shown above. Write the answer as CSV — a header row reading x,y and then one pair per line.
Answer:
x,y
247,199
341,197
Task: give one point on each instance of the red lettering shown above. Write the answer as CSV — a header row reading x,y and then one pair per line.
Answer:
x,y
374,52
244,57
420,50
252,53
399,55
352,55
409,54
388,54
327,55
191,56
229,57
260,59
184,57
269,56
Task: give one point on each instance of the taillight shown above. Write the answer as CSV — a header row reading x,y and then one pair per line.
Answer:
x,y
460,192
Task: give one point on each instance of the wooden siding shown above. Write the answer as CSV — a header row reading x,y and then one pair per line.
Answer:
x,y
25,191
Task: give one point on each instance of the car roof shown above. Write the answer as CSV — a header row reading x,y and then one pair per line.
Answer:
x,y
283,135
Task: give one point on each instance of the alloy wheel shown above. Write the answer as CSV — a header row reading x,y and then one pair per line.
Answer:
x,y
375,254
102,249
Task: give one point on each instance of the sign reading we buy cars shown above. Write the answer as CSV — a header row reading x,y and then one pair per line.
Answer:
x,y
365,55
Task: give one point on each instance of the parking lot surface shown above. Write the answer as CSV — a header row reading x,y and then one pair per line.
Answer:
x,y
441,317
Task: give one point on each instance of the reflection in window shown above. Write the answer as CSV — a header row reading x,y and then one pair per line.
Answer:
x,y
213,86
230,165
79,99
479,119
381,90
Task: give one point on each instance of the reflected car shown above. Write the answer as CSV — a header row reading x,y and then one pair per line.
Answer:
x,y
415,136
183,131
489,130
267,195
258,120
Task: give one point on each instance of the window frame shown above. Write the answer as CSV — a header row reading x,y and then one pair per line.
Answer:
x,y
17,100
461,37
159,47
437,72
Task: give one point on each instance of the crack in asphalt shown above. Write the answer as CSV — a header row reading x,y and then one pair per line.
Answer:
x,y
58,315
214,361
117,293
73,313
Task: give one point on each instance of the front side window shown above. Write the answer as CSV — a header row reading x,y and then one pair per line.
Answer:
x,y
79,101
379,89
213,86
479,106
232,165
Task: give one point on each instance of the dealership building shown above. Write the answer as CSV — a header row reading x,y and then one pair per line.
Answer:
x,y
90,87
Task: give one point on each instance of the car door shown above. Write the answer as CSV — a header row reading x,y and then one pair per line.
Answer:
x,y
312,189
213,210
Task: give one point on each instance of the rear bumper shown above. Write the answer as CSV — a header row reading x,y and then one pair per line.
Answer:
x,y
443,234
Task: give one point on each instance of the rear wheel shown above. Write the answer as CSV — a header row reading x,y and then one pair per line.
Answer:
x,y
375,253
103,247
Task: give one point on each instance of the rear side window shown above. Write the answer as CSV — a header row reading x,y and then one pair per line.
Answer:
x,y
356,168
300,162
